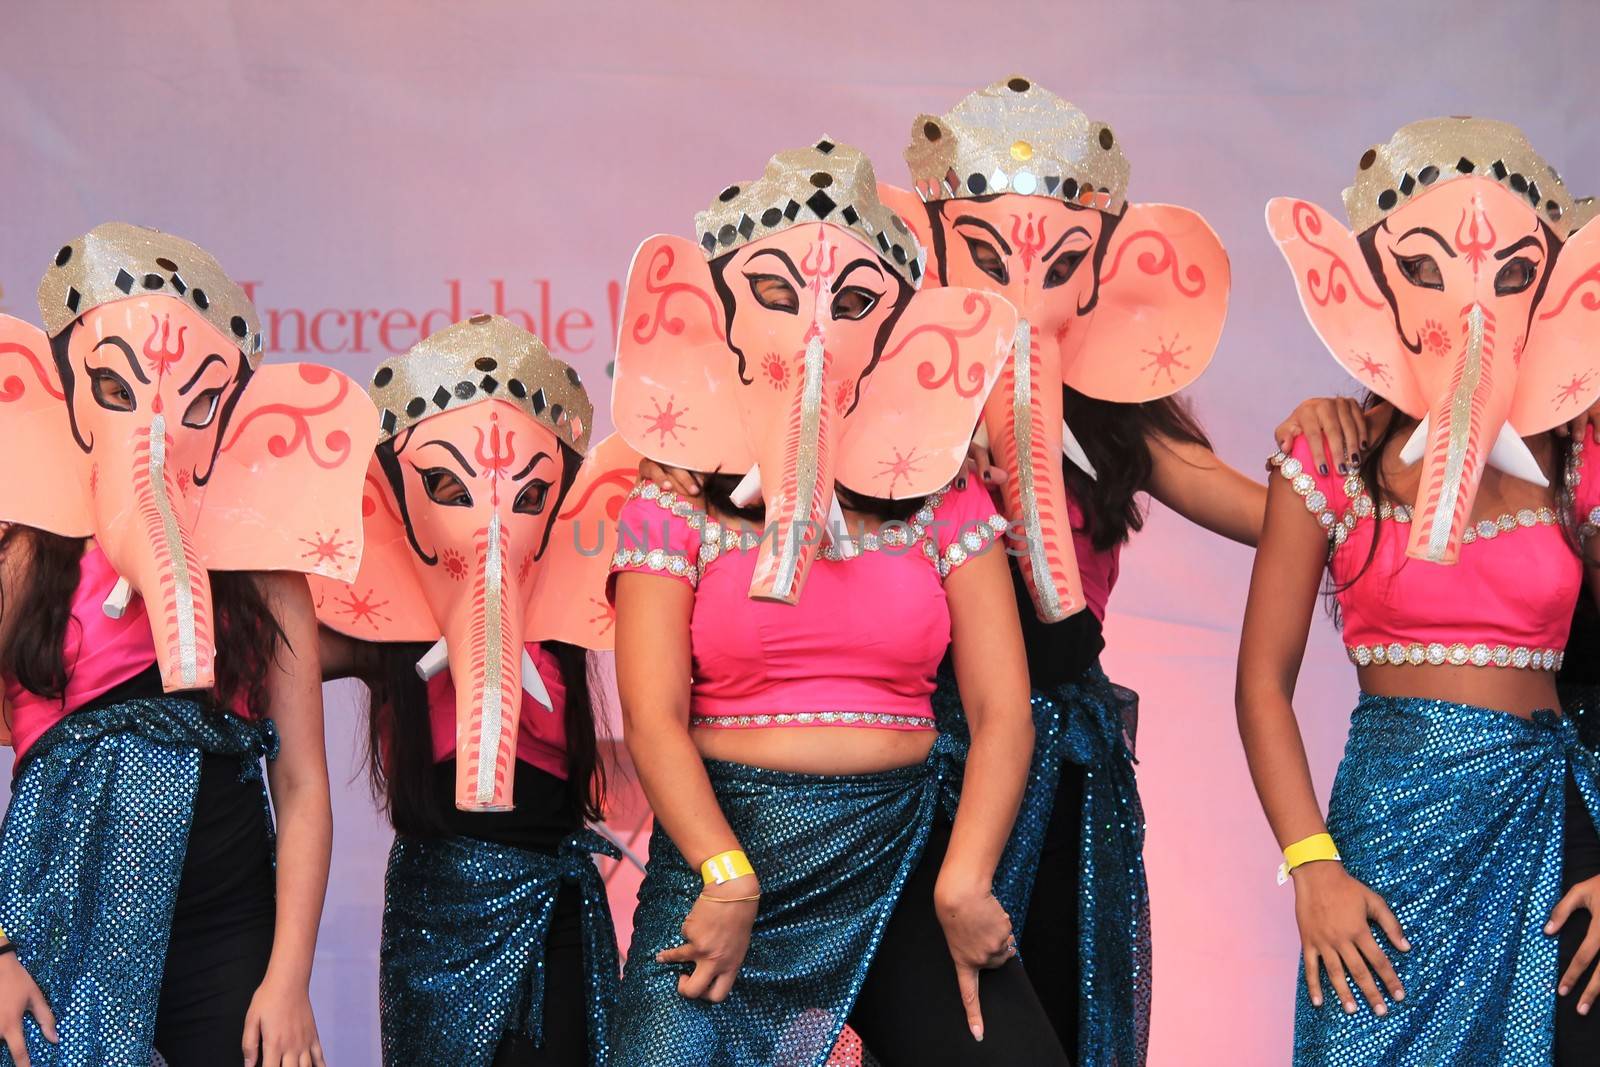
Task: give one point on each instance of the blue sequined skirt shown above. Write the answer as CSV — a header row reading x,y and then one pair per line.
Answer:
x,y
91,854
1089,723
462,956
833,853
1454,815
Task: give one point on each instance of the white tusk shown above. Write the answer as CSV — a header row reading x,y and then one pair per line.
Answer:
x,y
980,436
117,601
433,661
1074,451
839,533
1510,454
1416,444
533,683
748,491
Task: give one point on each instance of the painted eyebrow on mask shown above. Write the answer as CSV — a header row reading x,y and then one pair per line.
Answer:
x,y
863,262
127,350
532,462
447,446
204,363
1428,233
1055,247
787,262
1527,241
974,220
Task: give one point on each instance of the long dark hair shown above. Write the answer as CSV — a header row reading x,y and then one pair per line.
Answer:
x,y
400,740
248,636
1116,438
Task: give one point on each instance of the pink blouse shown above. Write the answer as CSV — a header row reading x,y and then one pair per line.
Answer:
x,y
100,653
1506,603
541,731
862,646
1097,570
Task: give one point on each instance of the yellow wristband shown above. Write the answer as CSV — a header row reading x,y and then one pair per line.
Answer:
x,y
1307,850
725,867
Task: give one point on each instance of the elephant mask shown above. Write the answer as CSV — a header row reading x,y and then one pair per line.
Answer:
x,y
141,417
1017,192
485,524
793,345
1464,294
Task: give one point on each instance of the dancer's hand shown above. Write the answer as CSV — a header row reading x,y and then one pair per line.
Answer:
x,y
980,465
1588,422
978,933
716,936
684,483
1586,896
20,995
1336,913
279,1028
1336,423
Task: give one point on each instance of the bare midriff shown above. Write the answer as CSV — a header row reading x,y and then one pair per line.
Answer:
x,y
815,749
1508,689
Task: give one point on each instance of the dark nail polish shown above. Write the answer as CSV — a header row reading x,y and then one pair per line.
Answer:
x,y
1323,468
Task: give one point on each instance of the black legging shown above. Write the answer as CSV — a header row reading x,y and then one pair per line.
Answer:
x,y
909,1011
222,922
566,1017
1577,1036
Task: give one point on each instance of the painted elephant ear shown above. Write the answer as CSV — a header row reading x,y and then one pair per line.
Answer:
x,y
1163,296
1342,301
668,402
384,601
909,433
914,213
286,489
1559,373
569,603
44,486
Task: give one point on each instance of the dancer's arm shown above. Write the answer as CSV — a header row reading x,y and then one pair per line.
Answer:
x,y
1332,909
992,673
653,675
1189,478
280,1022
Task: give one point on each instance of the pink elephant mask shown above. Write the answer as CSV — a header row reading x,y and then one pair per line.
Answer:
x,y
802,354
1019,193
141,418
485,524
1464,296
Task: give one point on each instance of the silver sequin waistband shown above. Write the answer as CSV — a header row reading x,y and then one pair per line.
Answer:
x,y
815,718
1437,654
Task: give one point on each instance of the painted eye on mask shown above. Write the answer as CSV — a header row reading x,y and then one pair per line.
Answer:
x,y
110,391
773,293
1065,266
1515,276
444,488
853,302
532,499
987,258
1421,271
203,409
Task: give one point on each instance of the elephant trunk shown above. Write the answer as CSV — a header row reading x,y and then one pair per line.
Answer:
x,y
486,664
797,506
167,571
1463,424
1023,416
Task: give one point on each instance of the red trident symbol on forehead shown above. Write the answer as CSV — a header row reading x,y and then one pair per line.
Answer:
x,y
1475,244
170,350
500,453
812,265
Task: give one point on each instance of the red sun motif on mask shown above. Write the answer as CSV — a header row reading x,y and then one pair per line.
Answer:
x,y
1516,351
775,370
454,563
1164,357
1435,338
362,607
161,358
666,420
1573,389
525,568
1373,369
844,396
322,550
903,465
605,615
